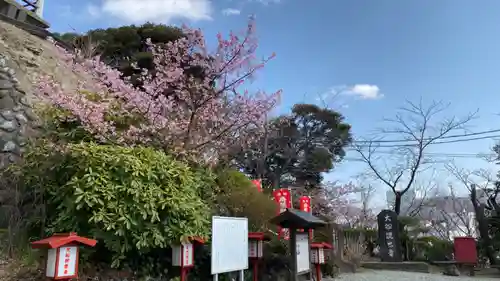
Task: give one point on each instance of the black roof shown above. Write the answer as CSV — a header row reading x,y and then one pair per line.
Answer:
x,y
292,218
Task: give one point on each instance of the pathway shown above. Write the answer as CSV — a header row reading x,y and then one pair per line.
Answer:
x,y
385,275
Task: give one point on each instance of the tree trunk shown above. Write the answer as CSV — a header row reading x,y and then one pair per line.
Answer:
x,y
484,234
483,227
397,204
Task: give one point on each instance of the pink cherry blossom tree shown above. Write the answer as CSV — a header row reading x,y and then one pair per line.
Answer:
x,y
332,200
191,104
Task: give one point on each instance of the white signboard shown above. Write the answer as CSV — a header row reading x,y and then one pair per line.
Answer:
x,y
229,244
67,261
303,260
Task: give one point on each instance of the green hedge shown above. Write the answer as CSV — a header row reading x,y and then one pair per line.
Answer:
x,y
433,248
130,199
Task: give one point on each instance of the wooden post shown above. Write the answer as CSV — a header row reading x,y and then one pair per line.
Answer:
x,y
293,253
318,272
255,265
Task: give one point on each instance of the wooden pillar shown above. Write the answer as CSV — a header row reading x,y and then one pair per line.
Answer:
x,y
293,253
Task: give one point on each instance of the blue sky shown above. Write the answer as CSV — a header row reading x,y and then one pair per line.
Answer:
x,y
445,50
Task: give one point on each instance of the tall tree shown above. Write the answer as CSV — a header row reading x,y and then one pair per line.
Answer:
x,y
119,47
124,48
297,148
418,127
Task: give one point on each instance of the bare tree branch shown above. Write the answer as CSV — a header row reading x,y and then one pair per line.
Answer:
x,y
367,215
419,125
421,198
482,179
453,215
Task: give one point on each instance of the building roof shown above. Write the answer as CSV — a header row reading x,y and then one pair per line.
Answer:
x,y
292,218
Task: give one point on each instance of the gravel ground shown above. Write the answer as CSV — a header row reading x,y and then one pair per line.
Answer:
x,y
383,275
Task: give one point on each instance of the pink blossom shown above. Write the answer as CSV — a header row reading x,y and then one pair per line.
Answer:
x,y
202,116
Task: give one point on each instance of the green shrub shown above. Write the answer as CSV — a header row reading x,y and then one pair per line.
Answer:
x,y
131,199
435,249
237,196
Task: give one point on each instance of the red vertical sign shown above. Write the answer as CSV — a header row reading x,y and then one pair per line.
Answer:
x,y
465,250
67,258
305,206
283,199
258,184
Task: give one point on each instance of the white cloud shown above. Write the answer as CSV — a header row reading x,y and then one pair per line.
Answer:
x,y
338,96
364,91
134,11
231,12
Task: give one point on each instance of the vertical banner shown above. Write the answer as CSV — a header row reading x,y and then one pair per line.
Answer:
x,y
258,184
283,199
305,206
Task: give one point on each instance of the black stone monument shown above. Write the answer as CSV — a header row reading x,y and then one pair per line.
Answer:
x,y
388,236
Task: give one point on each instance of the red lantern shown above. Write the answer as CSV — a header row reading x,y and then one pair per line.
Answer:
x,y
183,256
256,250
305,206
62,256
283,198
318,256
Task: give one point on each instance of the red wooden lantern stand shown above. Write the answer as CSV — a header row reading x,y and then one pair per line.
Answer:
x,y
318,256
256,250
183,256
62,256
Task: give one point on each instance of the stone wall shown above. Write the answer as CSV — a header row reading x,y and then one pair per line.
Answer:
x,y
23,58
17,121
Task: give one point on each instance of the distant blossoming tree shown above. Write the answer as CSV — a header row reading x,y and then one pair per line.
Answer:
x,y
334,201
190,104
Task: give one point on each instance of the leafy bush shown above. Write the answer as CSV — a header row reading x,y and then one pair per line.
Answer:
x,y
131,199
435,249
276,260
237,196
234,195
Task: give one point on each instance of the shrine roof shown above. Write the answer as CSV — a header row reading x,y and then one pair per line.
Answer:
x,y
292,218
62,239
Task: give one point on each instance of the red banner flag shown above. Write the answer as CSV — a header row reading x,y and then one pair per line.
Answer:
x,y
305,206
258,184
283,199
